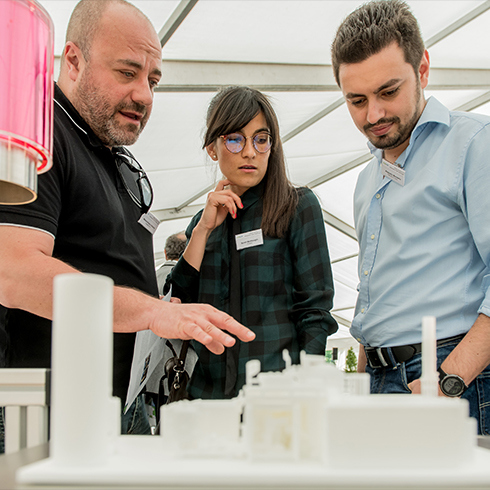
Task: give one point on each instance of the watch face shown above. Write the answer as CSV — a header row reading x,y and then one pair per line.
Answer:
x,y
452,385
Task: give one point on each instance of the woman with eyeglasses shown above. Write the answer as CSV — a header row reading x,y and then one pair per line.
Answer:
x,y
257,250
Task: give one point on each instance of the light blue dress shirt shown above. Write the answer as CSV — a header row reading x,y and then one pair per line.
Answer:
x,y
425,246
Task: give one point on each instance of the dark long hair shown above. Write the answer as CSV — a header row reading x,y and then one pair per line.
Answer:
x,y
231,109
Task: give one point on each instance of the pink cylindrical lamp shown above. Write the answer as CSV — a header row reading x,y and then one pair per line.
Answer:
x,y
26,98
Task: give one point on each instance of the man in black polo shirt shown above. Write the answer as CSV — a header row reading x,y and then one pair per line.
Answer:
x,y
92,211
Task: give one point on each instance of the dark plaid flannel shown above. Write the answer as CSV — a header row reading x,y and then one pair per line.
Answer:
x,y
287,291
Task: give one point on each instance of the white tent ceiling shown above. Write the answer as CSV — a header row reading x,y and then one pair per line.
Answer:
x,y
283,48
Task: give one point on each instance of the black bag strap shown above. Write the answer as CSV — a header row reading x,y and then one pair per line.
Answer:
x,y
177,379
175,366
174,373
183,350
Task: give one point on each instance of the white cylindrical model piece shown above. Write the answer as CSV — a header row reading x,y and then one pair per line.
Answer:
x,y
429,379
81,428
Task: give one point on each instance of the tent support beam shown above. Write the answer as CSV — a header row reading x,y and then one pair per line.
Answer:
x,y
174,21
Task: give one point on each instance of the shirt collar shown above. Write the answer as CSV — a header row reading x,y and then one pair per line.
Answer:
x,y
252,195
434,112
63,102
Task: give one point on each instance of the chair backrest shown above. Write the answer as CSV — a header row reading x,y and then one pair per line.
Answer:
x,y
25,395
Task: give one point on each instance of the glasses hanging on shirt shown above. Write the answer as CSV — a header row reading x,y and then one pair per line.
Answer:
x,y
135,180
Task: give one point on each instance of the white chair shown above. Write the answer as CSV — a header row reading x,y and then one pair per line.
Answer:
x,y
25,395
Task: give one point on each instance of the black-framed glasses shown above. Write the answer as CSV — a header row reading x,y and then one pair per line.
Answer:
x,y
135,180
235,142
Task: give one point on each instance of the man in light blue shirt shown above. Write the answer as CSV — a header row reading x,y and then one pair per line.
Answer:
x,y
422,213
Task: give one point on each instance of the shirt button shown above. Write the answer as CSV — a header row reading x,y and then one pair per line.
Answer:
x,y
362,311
372,237
366,273
358,339
378,196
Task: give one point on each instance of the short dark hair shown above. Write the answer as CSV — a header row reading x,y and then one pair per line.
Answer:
x,y
231,109
374,26
175,245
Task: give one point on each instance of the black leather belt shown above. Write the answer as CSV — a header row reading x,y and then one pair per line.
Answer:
x,y
382,357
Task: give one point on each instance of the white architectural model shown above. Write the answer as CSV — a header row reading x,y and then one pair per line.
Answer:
x,y
316,414
308,426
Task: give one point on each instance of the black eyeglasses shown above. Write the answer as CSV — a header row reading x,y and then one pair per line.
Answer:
x,y
135,180
235,142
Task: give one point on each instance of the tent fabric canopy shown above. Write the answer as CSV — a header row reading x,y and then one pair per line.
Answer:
x,y
282,47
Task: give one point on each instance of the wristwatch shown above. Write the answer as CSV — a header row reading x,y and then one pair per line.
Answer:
x,y
451,384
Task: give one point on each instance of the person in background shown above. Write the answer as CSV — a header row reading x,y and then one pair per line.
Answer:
x,y
174,248
88,216
421,213
257,250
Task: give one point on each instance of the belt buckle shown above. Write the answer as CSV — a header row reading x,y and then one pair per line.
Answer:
x,y
376,358
381,357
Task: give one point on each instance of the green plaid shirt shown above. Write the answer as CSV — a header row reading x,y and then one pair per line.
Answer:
x,y
286,288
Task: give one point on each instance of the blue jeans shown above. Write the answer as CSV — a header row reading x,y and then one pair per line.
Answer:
x,y
135,420
396,380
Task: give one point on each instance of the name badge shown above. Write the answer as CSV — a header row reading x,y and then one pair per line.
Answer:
x,y
393,172
249,239
149,222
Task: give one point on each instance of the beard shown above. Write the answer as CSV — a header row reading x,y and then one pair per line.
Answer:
x,y
100,115
404,131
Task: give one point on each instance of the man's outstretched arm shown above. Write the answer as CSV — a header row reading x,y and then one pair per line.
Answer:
x,y
27,270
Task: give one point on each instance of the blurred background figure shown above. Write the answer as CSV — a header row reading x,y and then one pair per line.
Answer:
x,y
174,248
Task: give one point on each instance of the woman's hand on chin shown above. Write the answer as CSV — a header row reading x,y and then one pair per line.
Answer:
x,y
219,203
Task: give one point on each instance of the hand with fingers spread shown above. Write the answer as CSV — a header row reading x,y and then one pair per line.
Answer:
x,y
200,322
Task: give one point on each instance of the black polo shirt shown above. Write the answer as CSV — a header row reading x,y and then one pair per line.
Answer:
x,y
84,205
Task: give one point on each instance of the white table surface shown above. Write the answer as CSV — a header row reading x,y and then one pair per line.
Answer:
x,y
10,463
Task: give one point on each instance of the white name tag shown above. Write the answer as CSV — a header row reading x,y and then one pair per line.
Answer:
x,y
149,222
249,239
393,172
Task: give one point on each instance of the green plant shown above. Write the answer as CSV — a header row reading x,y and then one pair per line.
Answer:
x,y
351,361
329,357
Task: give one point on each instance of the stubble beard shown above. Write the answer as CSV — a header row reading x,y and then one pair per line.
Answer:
x,y
101,116
404,132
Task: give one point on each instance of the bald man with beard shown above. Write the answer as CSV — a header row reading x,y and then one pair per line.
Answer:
x,y
88,216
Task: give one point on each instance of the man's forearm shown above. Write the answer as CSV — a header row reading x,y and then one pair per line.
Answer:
x,y
134,311
29,284
472,355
